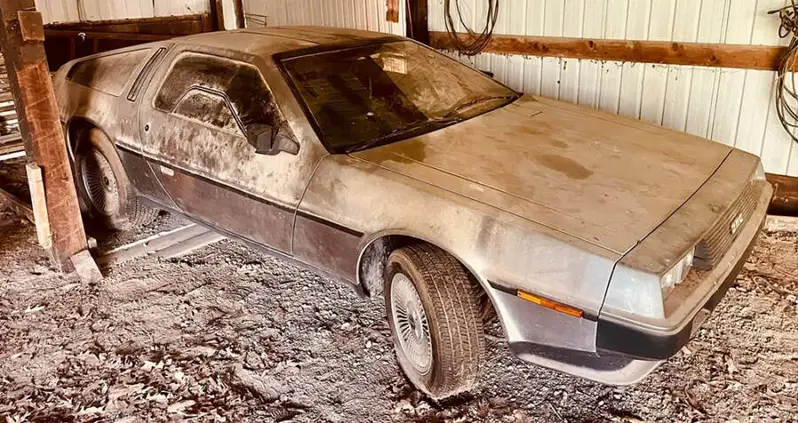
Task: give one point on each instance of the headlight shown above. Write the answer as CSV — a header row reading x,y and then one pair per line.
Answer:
x,y
676,274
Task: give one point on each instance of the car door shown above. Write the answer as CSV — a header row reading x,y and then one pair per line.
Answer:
x,y
193,122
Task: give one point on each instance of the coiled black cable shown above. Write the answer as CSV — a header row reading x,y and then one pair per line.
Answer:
x,y
786,96
475,42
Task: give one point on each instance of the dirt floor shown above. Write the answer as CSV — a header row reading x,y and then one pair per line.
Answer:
x,y
229,334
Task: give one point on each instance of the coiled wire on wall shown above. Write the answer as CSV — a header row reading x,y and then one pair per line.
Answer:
x,y
786,96
476,42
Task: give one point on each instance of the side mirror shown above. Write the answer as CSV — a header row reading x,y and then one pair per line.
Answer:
x,y
270,141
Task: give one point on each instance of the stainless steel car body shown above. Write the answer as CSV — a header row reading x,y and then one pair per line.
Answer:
x,y
570,204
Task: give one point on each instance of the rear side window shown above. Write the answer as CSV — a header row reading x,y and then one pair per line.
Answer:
x,y
108,74
241,83
144,75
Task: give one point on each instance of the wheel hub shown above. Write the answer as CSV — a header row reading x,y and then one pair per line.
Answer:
x,y
411,324
100,183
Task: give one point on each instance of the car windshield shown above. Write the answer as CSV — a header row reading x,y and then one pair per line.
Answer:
x,y
372,95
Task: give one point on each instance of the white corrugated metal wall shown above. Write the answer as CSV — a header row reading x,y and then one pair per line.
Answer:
x,y
733,106
360,14
95,10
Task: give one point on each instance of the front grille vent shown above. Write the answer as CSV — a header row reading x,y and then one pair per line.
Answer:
x,y
719,239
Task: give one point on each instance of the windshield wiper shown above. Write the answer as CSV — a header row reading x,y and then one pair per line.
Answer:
x,y
403,130
474,101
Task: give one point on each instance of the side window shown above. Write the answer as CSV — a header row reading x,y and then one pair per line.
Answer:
x,y
145,74
108,74
207,107
194,74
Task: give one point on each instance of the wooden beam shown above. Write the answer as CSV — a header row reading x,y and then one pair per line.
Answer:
x,y
174,25
785,195
21,39
662,52
127,36
417,20
68,41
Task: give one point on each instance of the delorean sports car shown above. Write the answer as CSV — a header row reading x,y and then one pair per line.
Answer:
x,y
600,242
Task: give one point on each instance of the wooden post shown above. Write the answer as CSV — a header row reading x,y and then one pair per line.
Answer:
x,y
417,21
21,39
217,12
241,21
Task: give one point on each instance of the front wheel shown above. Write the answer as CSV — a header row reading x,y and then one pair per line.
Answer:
x,y
105,191
435,319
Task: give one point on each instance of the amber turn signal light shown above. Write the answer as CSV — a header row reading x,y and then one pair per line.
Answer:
x,y
553,305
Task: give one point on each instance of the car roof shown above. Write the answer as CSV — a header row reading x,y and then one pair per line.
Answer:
x,y
266,42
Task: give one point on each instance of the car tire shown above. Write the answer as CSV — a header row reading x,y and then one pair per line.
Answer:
x,y
434,316
106,195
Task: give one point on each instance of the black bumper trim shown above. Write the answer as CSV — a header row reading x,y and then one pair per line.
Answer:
x,y
615,338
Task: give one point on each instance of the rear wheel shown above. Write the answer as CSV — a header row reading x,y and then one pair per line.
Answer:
x,y
105,191
434,315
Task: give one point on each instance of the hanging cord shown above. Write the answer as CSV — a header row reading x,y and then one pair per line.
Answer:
x,y
476,42
786,96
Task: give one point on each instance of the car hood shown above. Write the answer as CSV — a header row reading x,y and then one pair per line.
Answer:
x,y
602,178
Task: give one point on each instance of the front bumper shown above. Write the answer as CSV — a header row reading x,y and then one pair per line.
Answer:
x,y
688,306
616,338
620,351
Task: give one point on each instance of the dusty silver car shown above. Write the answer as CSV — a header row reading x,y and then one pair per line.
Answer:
x,y
601,243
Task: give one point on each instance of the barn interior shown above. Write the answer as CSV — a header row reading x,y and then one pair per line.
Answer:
x,y
178,320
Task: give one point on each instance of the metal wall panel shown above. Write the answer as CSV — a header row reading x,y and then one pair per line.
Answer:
x,y
95,10
733,106
360,14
